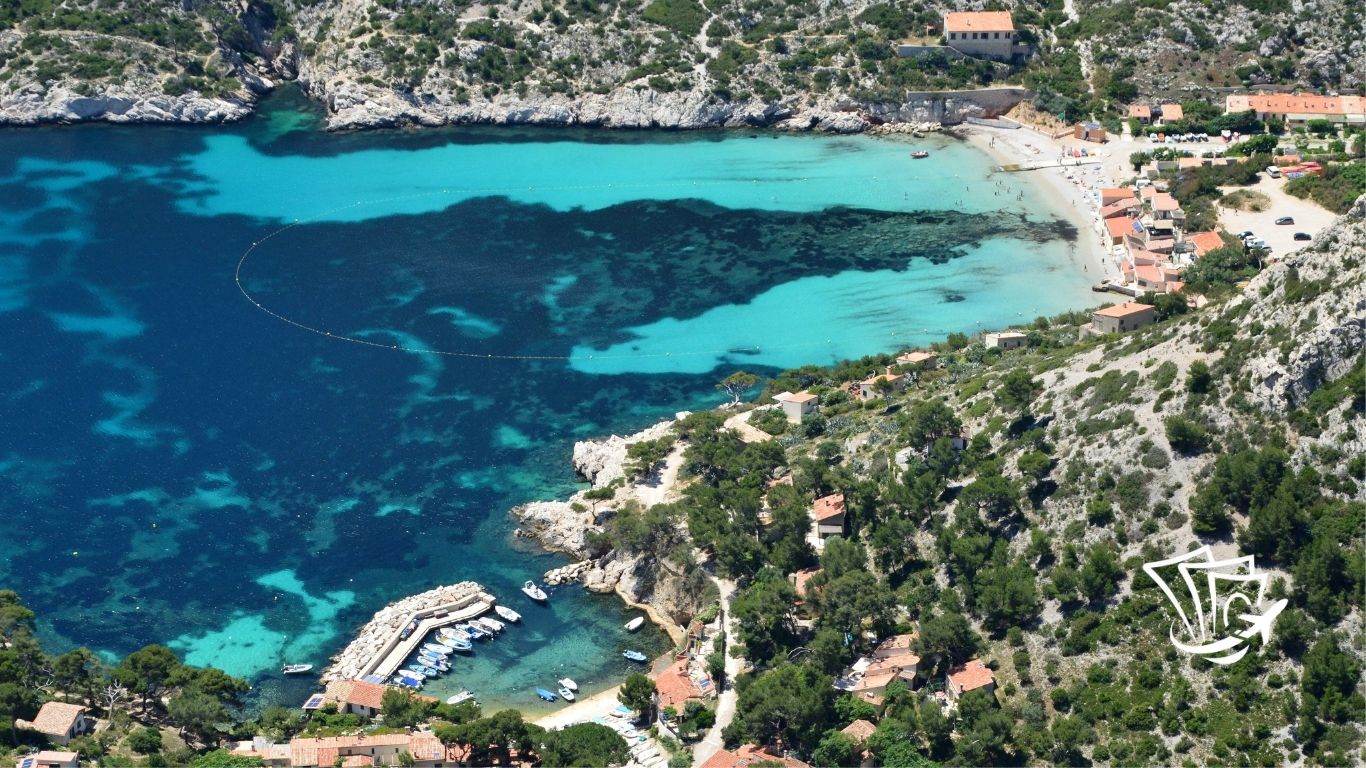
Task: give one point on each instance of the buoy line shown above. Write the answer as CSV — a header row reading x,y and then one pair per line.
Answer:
x,y
242,261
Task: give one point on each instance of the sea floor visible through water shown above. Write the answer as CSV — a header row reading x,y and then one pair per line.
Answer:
x,y
245,458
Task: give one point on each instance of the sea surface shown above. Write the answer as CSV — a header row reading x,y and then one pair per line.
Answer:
x,y
257,381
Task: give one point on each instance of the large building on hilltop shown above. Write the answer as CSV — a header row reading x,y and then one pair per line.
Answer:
x,y
989,34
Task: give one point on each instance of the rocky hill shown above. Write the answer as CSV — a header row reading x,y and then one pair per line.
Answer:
x,y
638,63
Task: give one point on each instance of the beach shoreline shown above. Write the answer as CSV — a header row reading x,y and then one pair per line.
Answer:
x,y
1058,188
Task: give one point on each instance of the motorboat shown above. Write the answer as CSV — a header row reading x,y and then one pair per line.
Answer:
x,y
634,655
484,625
566,694
920,154
507,614
568,683
460,698
475,633
458,645
412,672
408,630
407,682
534,592
457,632
635,623
423,670
546,695
296,669
491,623
437,648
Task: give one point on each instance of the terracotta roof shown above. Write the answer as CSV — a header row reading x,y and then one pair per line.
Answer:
x,y
911,358
801,578
898,648
859,730
1141,256
874,681
892,377
1115,194
978,21
1147,273
426,746
970,676
357,692
1172,112
1205,242
1119,226
1119,208
1189,162
55,718
1164,202
675,687
1126,309
829,507
358,761
54,756
1140,110
798,397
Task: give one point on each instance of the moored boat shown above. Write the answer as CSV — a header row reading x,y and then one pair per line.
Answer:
x,y
566,694
635,623
461,697
492,623
410,672
296,669
407,682
920,154
507,613
484,625
634,655
546,695
474,632
437,648
458,645
566,682
534,592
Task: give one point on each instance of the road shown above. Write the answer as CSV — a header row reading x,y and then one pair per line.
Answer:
x,y
726,701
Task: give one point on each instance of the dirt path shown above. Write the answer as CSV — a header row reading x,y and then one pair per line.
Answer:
x,y
740,423
727,700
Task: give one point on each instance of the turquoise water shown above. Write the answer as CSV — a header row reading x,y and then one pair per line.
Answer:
x,y
247,481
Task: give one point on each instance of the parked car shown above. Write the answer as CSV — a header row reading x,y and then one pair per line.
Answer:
x,y
1273,171
1303,236
1245,234
1256,243
1286,220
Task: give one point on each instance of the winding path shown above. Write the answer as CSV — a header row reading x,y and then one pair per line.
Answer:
x,y
727,700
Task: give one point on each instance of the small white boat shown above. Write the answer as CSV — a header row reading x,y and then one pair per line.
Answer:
x,y
534,592
460,698
566,694
635,623
494,624
568,683
485,625
296,669
507,613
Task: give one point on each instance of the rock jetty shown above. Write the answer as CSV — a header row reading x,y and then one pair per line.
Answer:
x,y
382,633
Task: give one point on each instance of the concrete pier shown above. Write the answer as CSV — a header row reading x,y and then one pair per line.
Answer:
x,y
380,648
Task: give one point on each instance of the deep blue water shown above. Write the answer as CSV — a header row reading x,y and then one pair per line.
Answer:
x,y
178,465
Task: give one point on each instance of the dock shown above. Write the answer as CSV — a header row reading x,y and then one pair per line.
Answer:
x,y
381,646
1057,162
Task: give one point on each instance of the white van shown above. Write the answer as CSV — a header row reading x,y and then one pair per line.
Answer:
x,y
1273,171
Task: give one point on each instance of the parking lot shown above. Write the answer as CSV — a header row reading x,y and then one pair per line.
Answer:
x,y
1280,237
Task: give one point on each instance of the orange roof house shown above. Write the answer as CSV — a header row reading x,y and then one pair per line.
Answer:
x,y
1118,318
1119,208
978,21
675,688
1298,107
898,647
801,581
971,676
829,508
1163,201
1140,112
59,721
748,755
1118,227
1110,195
1205,242
859,731
1172,113
923,359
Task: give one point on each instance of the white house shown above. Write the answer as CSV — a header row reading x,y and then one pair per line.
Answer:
x,y
1004,340
990,34
797,405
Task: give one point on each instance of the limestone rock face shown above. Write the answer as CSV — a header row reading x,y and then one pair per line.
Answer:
x,y
556,525
601,462
1329,329
120,104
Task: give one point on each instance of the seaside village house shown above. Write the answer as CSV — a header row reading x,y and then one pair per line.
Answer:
x,y
985,34
355,697
869,677
1171,113
868,388
1005,340
49,759
748,755
1120,318
59,722
1296,109
924,361
1089,132
676,686
1141,112
796,405
827,519
972,676
424,749
859,731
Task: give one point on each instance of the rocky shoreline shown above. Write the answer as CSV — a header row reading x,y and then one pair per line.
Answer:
x,y
640,581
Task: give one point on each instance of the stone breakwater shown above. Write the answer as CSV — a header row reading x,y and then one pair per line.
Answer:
x,y
382,634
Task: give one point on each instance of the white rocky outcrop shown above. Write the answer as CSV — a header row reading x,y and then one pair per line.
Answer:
x,y
601,462
117,104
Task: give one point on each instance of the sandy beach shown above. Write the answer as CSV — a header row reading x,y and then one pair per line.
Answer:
x,y
1070,191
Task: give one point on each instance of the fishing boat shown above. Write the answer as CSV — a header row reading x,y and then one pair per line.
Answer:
x,y
546,695
492,623
407,682
635,623
534,592
296,669
484,625
634,655
437,648
458,632
507,613
411,672
423,670
460,698
458,645
432,660
408,630
566,682
566,694
920,154
474,632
